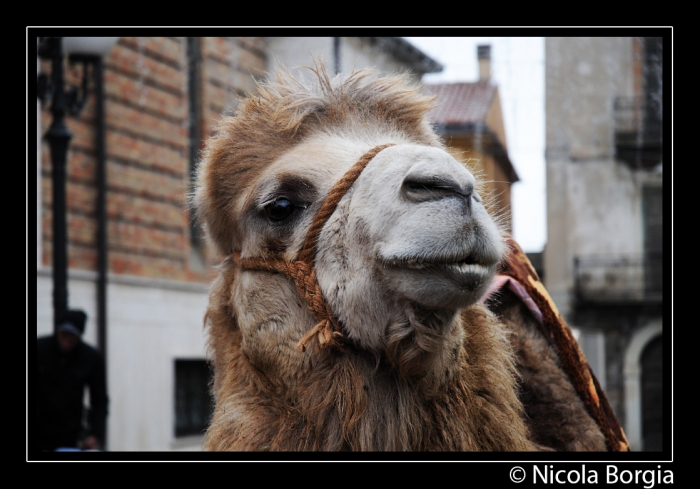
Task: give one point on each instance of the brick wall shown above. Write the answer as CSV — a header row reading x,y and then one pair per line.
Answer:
x,y
148,153
230,66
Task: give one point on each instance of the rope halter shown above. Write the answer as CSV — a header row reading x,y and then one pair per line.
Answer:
x,y
328,332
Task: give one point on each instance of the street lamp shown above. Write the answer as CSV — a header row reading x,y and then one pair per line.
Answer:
x,y
88,50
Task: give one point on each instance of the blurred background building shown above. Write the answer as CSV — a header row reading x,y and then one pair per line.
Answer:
x,y
603,258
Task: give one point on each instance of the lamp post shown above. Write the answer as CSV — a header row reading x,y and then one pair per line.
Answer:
x,y
58,137
88,50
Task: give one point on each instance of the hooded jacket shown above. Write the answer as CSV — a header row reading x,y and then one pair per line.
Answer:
x,y
61,380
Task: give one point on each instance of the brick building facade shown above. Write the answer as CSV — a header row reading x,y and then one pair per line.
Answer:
x,y
149,155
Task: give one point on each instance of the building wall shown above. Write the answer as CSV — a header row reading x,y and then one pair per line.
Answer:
x,y
231,66
295,53
594,202
146,140
358,53
355,53
583,75
494,119
156,324
500,181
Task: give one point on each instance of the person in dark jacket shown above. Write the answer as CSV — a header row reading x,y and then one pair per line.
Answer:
x,y
65,366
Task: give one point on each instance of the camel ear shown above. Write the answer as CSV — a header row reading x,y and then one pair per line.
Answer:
x,y
219,182
212,221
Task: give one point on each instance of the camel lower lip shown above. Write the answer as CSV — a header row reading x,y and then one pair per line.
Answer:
x,y
467,276
455,267
452,284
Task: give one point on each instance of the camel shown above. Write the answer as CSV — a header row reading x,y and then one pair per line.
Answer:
x,y
354,307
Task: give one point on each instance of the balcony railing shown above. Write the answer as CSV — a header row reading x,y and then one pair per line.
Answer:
x,y
618,278
638,130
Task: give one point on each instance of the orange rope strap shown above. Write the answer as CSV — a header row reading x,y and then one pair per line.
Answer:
x,y
327,331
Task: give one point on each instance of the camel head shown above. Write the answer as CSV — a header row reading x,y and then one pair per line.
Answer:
x,y
411,233
407,246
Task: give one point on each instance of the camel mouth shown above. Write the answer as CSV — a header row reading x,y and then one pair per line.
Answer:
x,y
441,282
468,264
467,274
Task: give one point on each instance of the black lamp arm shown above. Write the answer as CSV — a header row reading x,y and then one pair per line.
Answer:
x,y
75,96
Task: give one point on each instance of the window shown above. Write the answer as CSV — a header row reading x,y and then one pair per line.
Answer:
x,y
652,395
653,235
193,403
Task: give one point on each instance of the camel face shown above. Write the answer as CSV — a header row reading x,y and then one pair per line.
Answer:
x,y
411,230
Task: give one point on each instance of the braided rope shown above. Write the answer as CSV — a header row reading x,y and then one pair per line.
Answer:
x,y
327,331
341,187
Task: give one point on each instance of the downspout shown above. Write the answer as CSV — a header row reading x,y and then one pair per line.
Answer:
x,y
101,217
101,209
195,128
336,54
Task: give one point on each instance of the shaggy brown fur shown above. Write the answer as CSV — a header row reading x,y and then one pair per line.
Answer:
x,y
556,415
353,401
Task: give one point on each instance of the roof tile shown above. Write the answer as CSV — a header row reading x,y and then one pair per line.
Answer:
x,y
460,103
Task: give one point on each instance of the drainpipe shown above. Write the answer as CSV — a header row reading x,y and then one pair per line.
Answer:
x,y
336,54
101,208
195,128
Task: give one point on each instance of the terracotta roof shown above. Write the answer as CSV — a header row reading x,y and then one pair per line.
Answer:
x,y
460,103
461,108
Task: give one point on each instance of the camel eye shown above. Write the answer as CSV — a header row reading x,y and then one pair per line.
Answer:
x,y
279,209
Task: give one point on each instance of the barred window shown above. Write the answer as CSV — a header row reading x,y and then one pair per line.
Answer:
x,y
193,403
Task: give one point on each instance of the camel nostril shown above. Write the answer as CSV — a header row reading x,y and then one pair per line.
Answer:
x,y
435,175
423,188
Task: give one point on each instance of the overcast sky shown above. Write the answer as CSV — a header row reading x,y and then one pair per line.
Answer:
x,y
517,67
